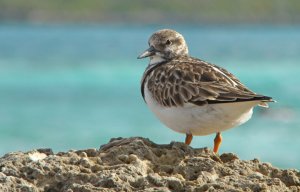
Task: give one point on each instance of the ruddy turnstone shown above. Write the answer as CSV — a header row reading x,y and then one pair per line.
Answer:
x,y
192,96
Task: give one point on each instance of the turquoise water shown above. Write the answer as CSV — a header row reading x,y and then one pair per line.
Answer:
x,y
74,87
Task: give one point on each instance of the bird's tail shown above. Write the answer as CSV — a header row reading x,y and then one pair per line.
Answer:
x,y
264,100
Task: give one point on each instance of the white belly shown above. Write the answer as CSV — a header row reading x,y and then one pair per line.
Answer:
x,y
202,120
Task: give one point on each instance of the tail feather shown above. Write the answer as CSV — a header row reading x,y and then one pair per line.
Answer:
x,y
264,101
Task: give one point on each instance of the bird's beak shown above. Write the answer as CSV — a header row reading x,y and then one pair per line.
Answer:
x,y
149,52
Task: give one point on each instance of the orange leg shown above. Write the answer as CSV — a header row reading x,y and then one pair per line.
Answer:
x,y
188,139
217,142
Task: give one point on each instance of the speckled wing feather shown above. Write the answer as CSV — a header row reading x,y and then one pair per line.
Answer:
x,y
190,80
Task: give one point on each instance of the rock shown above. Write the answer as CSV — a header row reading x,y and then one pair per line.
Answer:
x,y
137,164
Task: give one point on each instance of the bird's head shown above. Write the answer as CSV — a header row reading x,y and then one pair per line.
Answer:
x,y
164,45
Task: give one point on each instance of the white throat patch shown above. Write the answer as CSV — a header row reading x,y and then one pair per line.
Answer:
x,y
156,59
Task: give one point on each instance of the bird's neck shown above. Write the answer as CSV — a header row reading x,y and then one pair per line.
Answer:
x,y
156,59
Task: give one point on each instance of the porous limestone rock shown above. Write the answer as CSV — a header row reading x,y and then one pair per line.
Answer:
x,y
137,164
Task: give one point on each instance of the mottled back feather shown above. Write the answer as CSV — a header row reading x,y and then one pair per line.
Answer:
x,y
190,80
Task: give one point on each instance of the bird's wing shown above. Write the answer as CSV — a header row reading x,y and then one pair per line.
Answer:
x,y
194,81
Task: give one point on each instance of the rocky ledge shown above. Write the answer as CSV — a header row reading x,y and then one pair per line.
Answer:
x,y
137,164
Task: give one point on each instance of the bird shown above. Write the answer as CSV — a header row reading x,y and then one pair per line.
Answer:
x,y
192,96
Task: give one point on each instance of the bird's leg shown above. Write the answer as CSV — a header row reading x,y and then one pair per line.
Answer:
x,y
188,139
217,142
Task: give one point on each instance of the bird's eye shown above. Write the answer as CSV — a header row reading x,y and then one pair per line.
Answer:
x,y
168,42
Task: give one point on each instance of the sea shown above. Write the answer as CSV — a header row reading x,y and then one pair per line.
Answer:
x,y
77,86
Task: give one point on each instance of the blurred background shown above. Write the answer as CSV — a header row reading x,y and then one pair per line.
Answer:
x,y
69,77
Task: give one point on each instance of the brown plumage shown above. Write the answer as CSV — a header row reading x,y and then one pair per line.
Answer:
x,y
189,80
